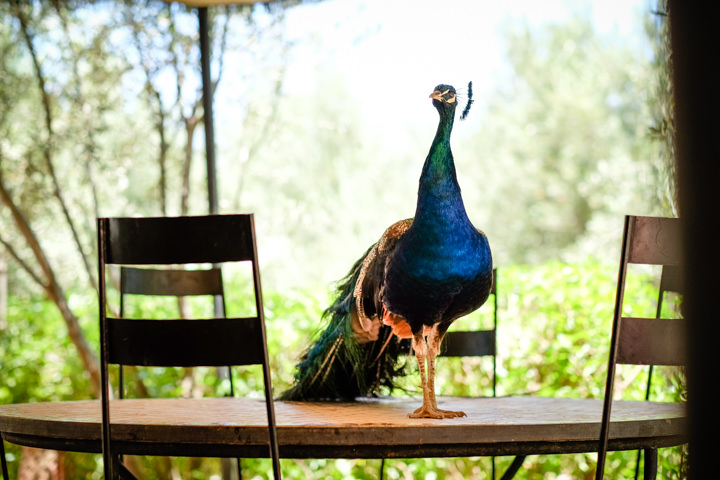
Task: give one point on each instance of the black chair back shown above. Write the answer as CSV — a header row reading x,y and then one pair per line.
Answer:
x,y
210,342
644,341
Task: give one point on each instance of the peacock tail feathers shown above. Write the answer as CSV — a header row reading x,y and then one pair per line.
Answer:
x,y
337,365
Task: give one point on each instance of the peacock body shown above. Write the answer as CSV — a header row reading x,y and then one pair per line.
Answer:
x,y
421,276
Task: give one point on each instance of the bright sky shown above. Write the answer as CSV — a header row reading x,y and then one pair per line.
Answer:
x,y
400,49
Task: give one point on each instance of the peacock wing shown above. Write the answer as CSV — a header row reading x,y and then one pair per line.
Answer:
x,y
368,304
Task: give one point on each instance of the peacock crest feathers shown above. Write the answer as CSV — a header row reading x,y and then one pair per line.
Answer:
x,y
469,103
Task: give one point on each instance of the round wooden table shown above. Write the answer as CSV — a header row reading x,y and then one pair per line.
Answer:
x,y
373,428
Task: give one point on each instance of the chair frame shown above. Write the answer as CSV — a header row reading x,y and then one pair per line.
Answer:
x,y
172,282
481,343
670,281
211,239
476,343
5,473
642,341
178,283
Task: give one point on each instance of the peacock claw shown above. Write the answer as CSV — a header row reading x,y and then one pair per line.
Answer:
x,y
430,412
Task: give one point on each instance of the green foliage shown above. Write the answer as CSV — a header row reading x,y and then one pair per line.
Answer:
x,y
39,363
662,102
554,322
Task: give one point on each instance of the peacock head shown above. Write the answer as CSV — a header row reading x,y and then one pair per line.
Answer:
x,y
444,99
444,96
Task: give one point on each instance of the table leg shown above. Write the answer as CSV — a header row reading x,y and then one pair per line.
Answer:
x,y
651,459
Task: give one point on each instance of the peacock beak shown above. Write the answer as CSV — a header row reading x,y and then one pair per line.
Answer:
x,y
437,95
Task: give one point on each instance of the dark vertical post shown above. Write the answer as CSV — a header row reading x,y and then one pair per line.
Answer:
x,y
697,109
210,158
208,109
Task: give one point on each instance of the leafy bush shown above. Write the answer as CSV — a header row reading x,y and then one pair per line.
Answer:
x,y
553,337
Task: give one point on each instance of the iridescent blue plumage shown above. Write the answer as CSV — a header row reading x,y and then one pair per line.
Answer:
x,y
421,275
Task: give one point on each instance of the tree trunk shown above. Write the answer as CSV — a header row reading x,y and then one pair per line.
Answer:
x,y
38,464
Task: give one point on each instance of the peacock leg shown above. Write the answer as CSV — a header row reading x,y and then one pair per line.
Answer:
x,y
426,351
420,349
434,340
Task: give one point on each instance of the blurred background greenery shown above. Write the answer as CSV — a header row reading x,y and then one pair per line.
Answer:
x,y
100,115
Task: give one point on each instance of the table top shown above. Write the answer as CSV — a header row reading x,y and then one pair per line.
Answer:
x,y
369,428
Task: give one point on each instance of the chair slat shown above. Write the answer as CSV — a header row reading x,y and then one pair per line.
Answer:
x,y
655,241
672,279
644,341
477,343
148,281
651,341
163,241
185,343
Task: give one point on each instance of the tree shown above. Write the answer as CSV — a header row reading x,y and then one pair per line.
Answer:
x,y
39,152
662,103
565,144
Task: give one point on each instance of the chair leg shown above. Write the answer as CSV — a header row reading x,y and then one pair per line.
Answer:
x,y
513,468
637,464
124,473
651,460
382,468
231,469
5,473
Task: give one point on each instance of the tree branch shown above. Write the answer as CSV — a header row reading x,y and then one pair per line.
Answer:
x,y
90,147
47,145
50,285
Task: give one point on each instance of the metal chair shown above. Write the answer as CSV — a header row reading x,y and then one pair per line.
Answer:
x,y
476,343
213,342
643,341
671,281
5,473
481,343
178,283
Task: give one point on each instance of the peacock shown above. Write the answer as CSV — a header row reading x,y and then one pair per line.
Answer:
x,y
423,274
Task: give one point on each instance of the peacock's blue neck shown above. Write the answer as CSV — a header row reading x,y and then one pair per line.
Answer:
x,y
439,198
442,244
439,162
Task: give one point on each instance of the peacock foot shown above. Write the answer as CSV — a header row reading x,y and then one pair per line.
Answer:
x,y
433,412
